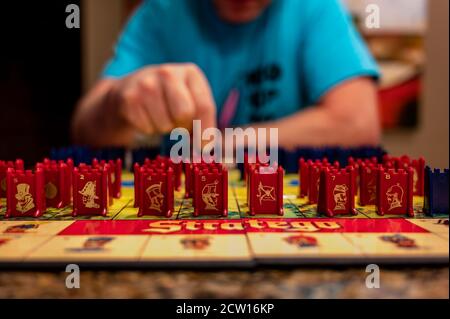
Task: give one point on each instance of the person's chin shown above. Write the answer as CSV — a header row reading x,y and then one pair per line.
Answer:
x,y
239,18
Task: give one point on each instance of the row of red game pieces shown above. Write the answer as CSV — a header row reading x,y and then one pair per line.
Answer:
x,y
91,188
390,185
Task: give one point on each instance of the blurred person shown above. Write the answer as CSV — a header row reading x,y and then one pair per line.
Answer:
x,y
299,66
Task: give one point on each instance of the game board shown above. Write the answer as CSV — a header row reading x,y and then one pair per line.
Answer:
x,y
301,236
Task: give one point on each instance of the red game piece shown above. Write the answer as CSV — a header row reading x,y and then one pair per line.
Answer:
x,y
25,196
114,175
368,180
18,165
57,178
188,180
210,190
395,192
337,192
90,191
156,192
176,167
303,172
265,190
418,166
314,179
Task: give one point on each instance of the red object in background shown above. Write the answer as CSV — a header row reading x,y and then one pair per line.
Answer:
x,y
156,192
17,164
368,180
337,192
57,181
393,101
90,191
265,190
176,167
210,190
25,193
395,192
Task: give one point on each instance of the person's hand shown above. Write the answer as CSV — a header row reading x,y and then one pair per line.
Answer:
x,y
159,98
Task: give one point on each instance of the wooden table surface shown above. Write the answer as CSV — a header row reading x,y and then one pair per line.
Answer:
x,y
413,282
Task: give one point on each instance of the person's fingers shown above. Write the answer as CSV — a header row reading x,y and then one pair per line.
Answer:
x,y
154,104
205,107
133,111
177,96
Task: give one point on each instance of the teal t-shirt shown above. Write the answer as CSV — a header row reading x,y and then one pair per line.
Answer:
x,y
283,61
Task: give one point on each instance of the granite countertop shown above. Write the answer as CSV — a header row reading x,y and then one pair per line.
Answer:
x,y
417,282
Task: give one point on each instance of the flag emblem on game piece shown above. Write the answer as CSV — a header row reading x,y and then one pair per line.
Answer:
x,y
265,193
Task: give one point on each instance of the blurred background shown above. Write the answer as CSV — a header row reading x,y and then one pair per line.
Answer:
x,y
45,68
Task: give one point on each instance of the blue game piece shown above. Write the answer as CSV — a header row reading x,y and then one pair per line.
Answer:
x,y
436,192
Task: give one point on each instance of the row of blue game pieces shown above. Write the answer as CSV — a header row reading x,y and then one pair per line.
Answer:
x,y
287,159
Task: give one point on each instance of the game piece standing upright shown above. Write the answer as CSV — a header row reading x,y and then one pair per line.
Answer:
x,y
395,192
210,190
57,176
303,172
314,179
418,166
25,193
17,164
90,191
156,191
114,175
265,190
337,192
368,179
436,192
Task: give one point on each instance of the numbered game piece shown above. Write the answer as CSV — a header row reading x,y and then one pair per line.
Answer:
x,y
418,166
57,177
314,179
395,192
304,174
265,190
436,192
337,192
4,165
156,191
25,196
368,180
90,191
211,190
